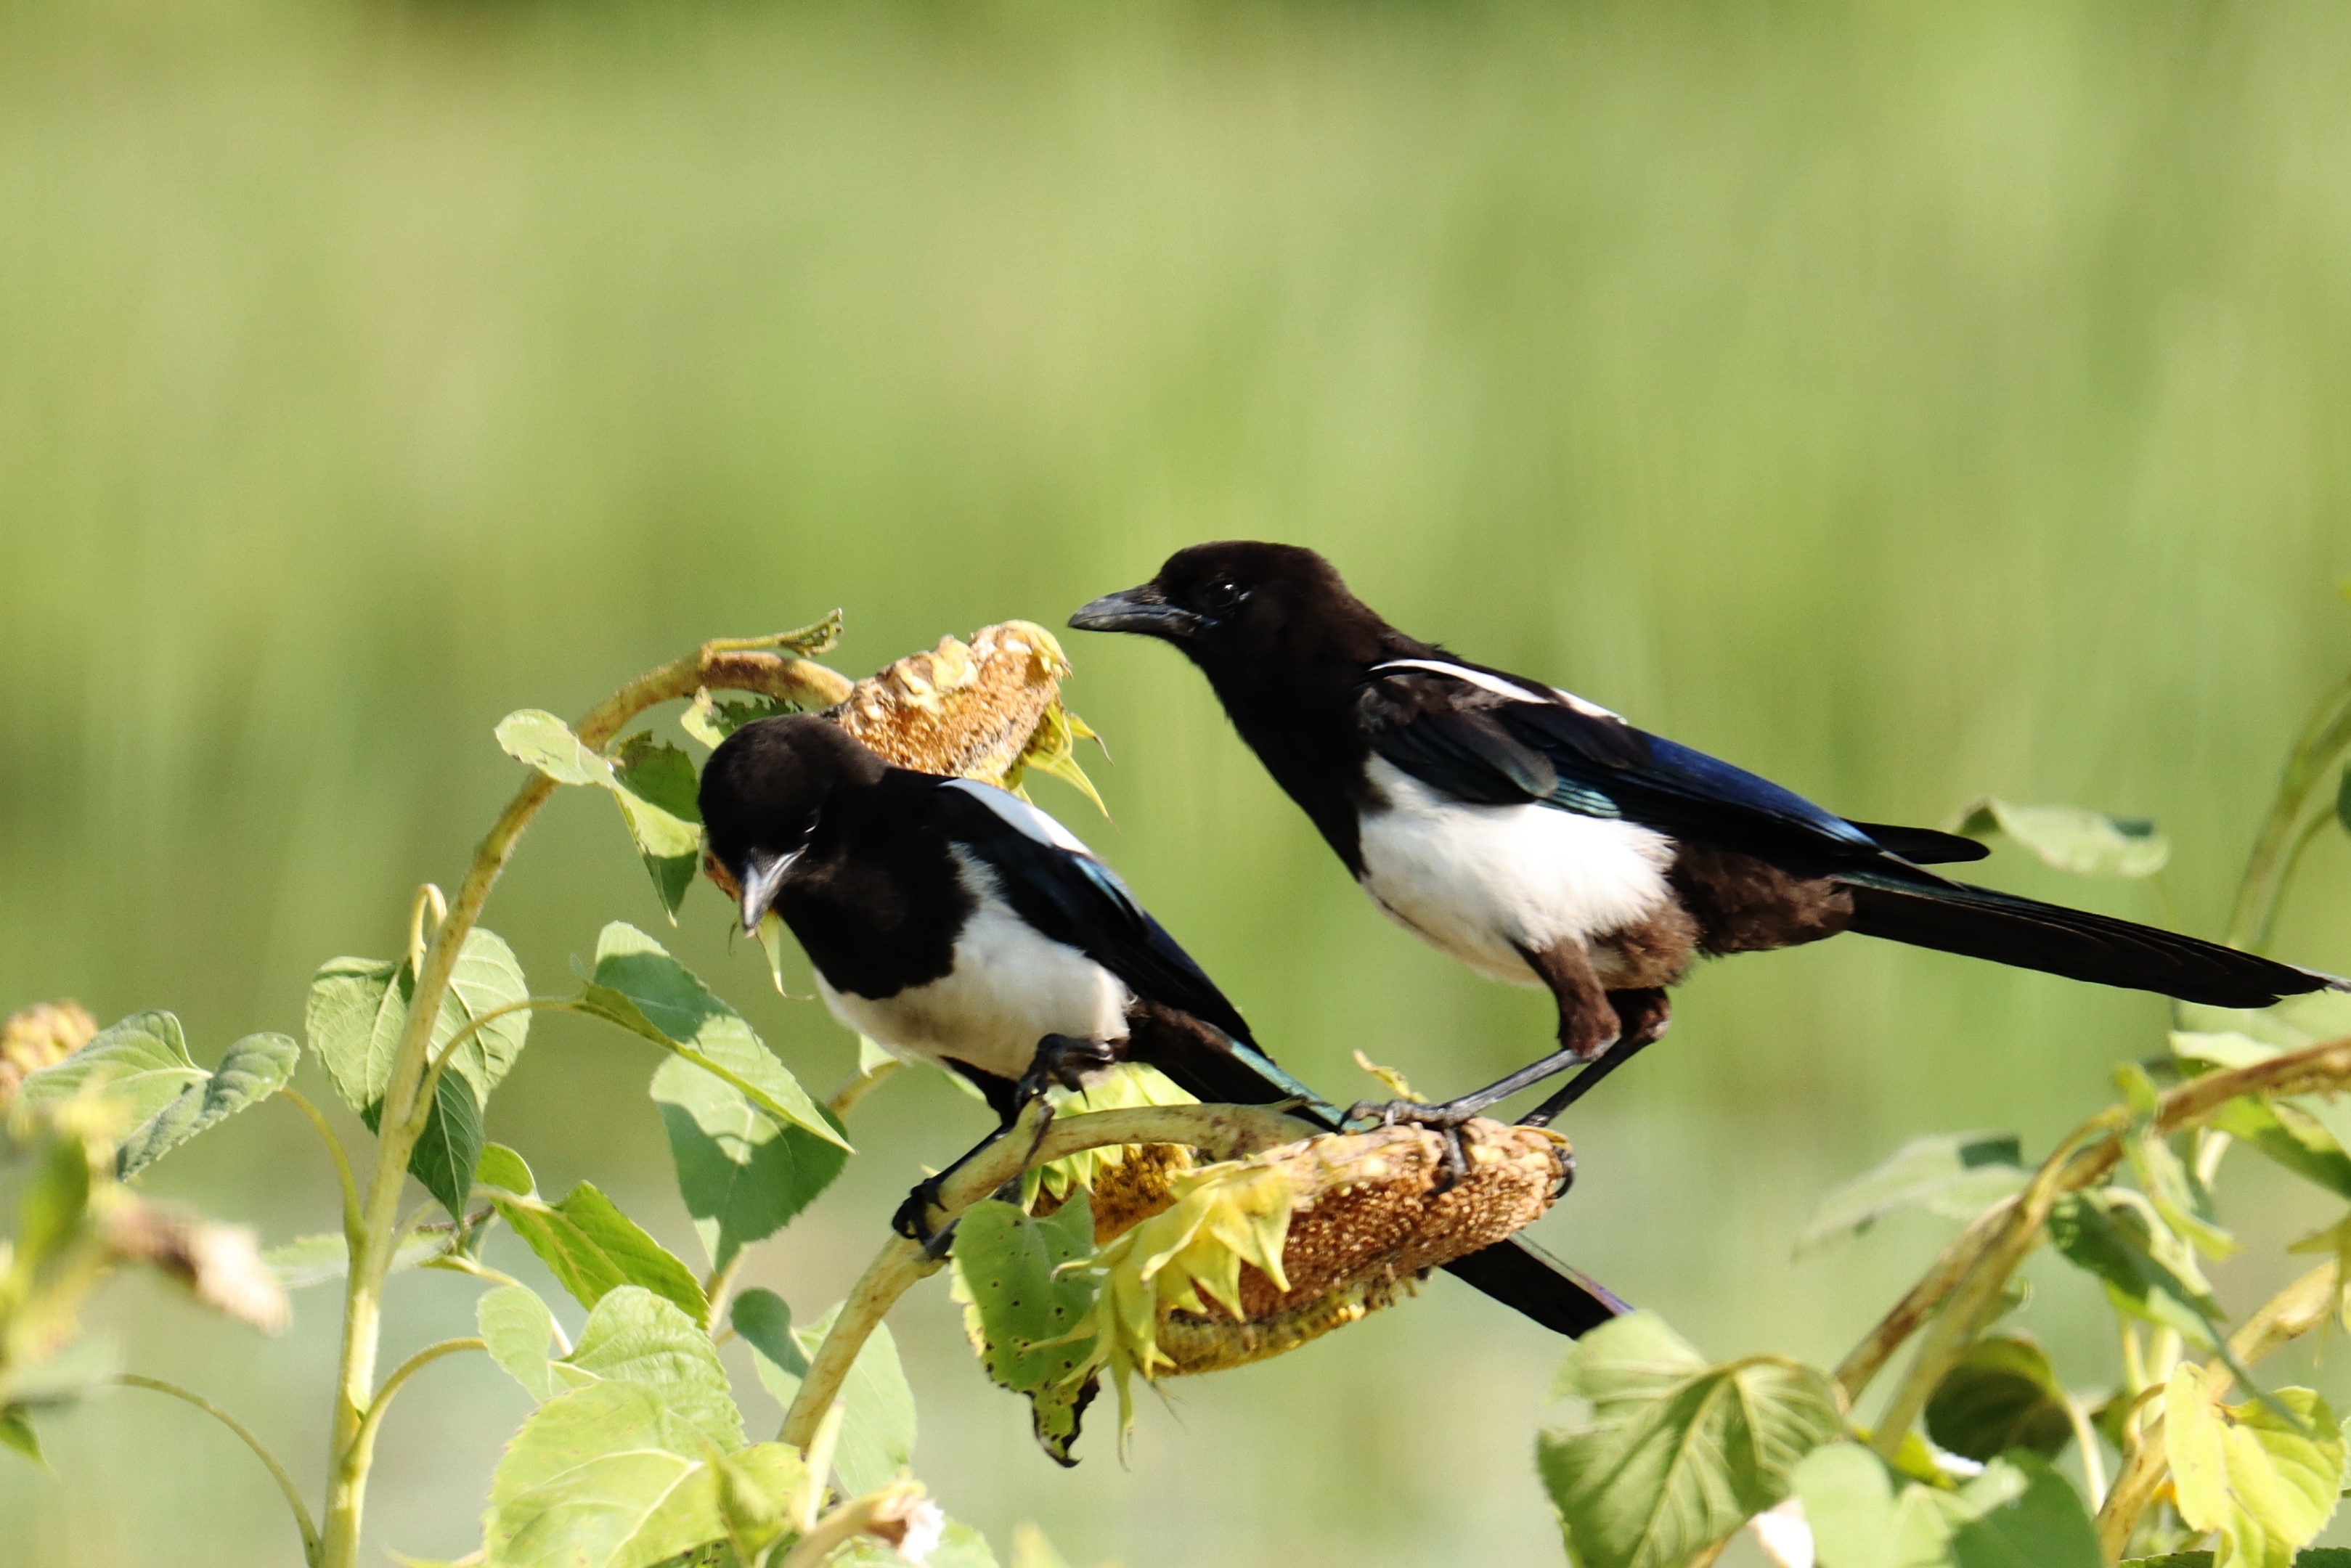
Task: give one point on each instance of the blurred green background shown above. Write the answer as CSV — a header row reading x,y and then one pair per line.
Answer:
x,y
1904,402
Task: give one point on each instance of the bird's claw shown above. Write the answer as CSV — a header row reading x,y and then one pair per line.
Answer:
x,y
913,1220
1446,1120
1063,1060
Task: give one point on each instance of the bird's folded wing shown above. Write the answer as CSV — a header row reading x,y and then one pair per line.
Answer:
x,y
1075,899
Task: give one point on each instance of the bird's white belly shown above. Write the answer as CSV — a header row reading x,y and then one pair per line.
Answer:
x,y
1009,988
1482,882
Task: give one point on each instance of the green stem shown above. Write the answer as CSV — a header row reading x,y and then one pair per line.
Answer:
x,y
712,665
260,1451
342,1160
2324,743
373,1419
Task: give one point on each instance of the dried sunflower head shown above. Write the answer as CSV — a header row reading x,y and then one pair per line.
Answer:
x,y
989,709
1255,1257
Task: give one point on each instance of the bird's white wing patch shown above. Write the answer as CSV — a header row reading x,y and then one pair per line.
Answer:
x,y
1022,815
1498,686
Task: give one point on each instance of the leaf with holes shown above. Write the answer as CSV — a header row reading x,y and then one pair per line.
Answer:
x,y
1019,1307
1677,1453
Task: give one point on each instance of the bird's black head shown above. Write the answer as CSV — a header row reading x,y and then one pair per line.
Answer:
x,y
1241,606
763,792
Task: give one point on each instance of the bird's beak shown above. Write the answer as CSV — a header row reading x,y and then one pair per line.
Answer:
x,y
762,875
1145,609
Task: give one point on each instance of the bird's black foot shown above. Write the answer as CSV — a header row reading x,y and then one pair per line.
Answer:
x,y
1065,1059
913,1220
1446,1120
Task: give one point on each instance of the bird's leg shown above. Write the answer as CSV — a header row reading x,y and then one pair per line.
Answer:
x,y
1641,1016
1060,1058
1586,1024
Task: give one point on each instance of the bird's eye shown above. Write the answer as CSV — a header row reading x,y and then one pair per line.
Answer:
x,y
1223,595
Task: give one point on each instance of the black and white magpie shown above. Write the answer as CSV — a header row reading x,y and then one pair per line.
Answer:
x,y
954,923
1541,840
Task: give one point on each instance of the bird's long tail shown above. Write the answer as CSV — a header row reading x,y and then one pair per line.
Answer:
x,y
1925,911
1516,1272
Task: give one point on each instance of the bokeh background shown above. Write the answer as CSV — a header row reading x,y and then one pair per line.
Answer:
x,y
1905,401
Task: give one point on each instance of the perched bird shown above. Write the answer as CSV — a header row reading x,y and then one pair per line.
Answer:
x,y
956,924
1541,840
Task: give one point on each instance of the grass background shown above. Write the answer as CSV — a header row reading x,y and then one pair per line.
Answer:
x,y
1905,403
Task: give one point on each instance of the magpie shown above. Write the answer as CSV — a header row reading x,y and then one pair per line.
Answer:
x,y
1543,840
954,923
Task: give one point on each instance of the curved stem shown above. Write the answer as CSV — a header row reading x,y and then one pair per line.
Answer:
x,y
2323,742
1967,1277
422,1112
845,1098
407,1369
1226,1131
244,1434
301,1102
714,665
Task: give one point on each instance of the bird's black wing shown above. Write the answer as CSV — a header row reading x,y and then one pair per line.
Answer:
x,y
1484,737
1055,884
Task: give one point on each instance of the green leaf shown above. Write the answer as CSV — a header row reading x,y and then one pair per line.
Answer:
x,y
2088,843
586,1242
250,1071
711,720
635,1336
315,1260
1677,1453
539,739
2290,1136
358,1010
2343,800
1956,1174
451,1143
16,1432
877,1424
518,1328
2018,1513
1019,1309
2002,1395
142,1064
2181,1198
2102,1233
765,1321
743,1176
600,1477
2266,1480
655,785
638,985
